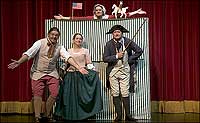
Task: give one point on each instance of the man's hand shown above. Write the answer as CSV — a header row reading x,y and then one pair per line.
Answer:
x,y
13,64
83,70
16,63
120,55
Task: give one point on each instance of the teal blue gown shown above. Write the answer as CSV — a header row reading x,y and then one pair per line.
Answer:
x,y
79,96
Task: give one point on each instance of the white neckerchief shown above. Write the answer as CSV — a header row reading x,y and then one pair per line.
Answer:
x,y
121,41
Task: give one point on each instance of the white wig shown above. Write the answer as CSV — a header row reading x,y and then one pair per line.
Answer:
x,y
103,8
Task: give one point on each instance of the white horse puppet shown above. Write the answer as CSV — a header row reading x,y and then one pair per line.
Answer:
x,y
120,10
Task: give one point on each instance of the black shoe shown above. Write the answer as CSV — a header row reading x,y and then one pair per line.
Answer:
x,y
58,118
44,119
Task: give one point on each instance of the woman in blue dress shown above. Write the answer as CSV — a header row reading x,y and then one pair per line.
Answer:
x,y
80,95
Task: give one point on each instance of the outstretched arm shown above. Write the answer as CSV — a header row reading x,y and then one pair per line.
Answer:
x,y
139,11
73,63
16,63
30,53
59,17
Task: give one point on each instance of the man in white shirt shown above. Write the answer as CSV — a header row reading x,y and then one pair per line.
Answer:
x,y
45,52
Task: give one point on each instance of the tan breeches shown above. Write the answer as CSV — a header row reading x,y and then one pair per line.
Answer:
x,y
120,84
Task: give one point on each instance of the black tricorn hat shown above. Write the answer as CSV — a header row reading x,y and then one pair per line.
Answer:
x,y
117,27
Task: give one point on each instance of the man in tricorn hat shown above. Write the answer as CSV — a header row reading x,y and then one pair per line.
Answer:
x,y
121,54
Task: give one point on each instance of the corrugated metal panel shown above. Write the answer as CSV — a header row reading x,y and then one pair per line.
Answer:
x,y
95,37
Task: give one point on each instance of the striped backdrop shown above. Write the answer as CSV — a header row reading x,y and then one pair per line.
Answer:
x,y
95,37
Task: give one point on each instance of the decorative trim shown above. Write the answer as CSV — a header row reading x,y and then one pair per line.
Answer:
x,y
18,107
175,106
156,106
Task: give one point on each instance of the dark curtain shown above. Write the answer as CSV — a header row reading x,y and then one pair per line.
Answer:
x,y
173,34
174,50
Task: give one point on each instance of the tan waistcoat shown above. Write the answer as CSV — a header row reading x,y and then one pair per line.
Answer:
x,y
42,65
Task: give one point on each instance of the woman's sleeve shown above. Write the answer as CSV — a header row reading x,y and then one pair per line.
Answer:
x,y
89,61
88,57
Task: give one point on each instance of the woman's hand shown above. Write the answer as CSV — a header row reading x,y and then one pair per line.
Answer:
x,y
59,17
